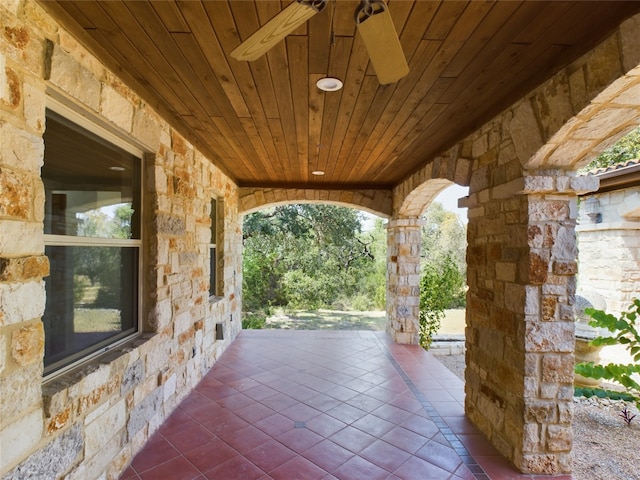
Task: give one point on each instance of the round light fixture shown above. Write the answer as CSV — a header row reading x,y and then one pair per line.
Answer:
x,y
317,173
117,169
329,84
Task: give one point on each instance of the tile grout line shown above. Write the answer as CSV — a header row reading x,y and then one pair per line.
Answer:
x,y
455,443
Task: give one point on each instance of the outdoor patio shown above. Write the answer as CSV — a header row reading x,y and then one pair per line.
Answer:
x,y
322,405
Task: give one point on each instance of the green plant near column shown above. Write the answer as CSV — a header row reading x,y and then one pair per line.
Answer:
x,y
625,333
440,283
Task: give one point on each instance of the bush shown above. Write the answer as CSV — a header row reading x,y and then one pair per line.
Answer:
x,y
255,321
439,285
626,334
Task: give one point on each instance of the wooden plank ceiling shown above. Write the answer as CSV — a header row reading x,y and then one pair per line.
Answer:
x,y
265,123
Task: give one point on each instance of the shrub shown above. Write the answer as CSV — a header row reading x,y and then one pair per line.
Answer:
x,y
439,285
625,333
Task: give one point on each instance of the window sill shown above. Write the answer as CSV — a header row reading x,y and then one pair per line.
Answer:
x,y
215,298
74,393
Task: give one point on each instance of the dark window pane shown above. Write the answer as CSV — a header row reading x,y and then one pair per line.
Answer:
x,y
91,300
92,187
212,272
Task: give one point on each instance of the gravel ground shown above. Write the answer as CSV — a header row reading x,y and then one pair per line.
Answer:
x,y
604,447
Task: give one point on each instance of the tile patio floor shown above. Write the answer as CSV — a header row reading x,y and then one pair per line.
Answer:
x,y
289,405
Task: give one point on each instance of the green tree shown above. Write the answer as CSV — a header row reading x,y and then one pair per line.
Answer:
x,y
440,283
627,148
444,242
304,256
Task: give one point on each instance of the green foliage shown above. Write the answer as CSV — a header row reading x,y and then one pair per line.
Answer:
x,y
254,321
602,393
439,285
444,246
626,334
307,257
627,148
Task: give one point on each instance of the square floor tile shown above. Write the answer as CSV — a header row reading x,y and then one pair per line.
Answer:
x,y
236,468
405,439
298,468
178,468
270,455
328,455
359,469
245,439
156,451
352,439
385,455
211,455
299,439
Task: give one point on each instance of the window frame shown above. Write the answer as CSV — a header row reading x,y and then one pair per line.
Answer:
x,y
96,127
216,283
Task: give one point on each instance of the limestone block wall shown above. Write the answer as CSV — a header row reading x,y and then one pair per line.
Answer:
x,y
377,202
610,250
404,239
88,423
521,265
521,254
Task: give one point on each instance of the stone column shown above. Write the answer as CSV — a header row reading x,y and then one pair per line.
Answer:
x,y
520,335
403,279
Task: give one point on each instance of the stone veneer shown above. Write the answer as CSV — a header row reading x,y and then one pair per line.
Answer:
x,y
521,254
89,423
521,257
610,250
377,202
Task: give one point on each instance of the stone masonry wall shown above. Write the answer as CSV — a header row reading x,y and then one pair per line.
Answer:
x,y
521,265
521,254
89,423
377,202
610,251
404,238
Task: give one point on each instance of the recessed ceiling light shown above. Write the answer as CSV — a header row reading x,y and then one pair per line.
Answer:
x,y
117,169
317,173
329,84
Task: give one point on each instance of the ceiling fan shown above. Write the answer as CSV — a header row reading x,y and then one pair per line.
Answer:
x,y
372,19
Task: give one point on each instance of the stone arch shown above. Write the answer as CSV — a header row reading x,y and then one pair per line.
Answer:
x,y
377,202
419,199
584,109
413,195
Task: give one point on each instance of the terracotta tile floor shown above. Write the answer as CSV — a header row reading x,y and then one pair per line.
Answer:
x,y
288,405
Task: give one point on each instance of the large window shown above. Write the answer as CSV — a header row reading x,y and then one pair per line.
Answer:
x,y
92,240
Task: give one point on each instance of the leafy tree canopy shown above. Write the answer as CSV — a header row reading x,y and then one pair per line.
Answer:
x,y
305,256
627,148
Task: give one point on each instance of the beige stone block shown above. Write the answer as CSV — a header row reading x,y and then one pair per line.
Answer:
x,y
630,39
525,133
559,438
95,467
554,104
20,438
74,79
34,102
20,150
27,344
23,269
100,431
540,464
146,130
608,121
549,337
21,302
570,152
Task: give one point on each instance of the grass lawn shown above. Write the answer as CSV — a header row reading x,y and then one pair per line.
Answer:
x,y
453,323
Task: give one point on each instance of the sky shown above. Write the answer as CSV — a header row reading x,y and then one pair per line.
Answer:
x,y
448,198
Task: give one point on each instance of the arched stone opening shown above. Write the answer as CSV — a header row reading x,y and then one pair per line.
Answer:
x,y
521,255
376,202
